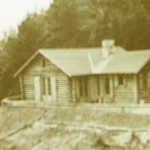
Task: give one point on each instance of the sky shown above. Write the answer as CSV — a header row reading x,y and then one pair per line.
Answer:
x,y
12,12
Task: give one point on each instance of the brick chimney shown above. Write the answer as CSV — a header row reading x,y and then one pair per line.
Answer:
x,y
107,47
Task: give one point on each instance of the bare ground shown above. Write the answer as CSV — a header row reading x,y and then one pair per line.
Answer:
x,y
20,129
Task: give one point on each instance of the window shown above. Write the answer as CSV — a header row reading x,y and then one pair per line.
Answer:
x,y
120,80
43,63
46,86
107,87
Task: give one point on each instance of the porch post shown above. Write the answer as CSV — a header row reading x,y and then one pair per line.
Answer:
x,y
102,91
135,88
112,87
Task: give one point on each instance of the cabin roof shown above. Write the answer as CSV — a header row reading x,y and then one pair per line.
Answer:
x,y
86,61
124,63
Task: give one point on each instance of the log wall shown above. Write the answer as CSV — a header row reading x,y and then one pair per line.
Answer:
x,y
144,90
35,68
124,93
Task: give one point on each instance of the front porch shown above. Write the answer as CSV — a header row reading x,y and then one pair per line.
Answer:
x,y
92,89
114,88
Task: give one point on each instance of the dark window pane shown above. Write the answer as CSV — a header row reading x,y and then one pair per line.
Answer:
x,y
107,85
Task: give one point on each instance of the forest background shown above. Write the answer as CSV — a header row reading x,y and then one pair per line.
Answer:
x,y
73,23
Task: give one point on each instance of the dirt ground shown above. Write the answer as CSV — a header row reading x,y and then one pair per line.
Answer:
x,y
22,129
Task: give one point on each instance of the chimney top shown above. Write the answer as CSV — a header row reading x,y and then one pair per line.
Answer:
x,y
108,43
107,47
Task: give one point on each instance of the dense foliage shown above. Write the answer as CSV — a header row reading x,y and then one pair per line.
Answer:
x,y
74,23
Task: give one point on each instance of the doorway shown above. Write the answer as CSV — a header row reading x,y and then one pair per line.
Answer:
x,y
46,89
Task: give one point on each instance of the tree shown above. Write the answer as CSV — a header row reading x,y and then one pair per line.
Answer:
x,y
62,24
74,23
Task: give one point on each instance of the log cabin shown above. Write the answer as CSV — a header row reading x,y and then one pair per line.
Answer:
x,y
107,74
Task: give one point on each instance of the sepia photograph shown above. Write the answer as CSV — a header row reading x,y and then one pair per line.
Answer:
x,y
75,75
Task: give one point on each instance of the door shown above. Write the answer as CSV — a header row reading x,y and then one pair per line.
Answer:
x,y
46,89
37,88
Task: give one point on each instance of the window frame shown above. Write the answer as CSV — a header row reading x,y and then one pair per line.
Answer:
x,y
46,86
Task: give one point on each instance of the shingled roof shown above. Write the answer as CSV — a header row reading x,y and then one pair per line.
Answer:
x,y
87,61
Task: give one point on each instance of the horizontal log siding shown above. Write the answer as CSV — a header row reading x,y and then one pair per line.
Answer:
x,y
63,89
28,87
73,89
144,95
124,93
144,91
35,69
21,86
